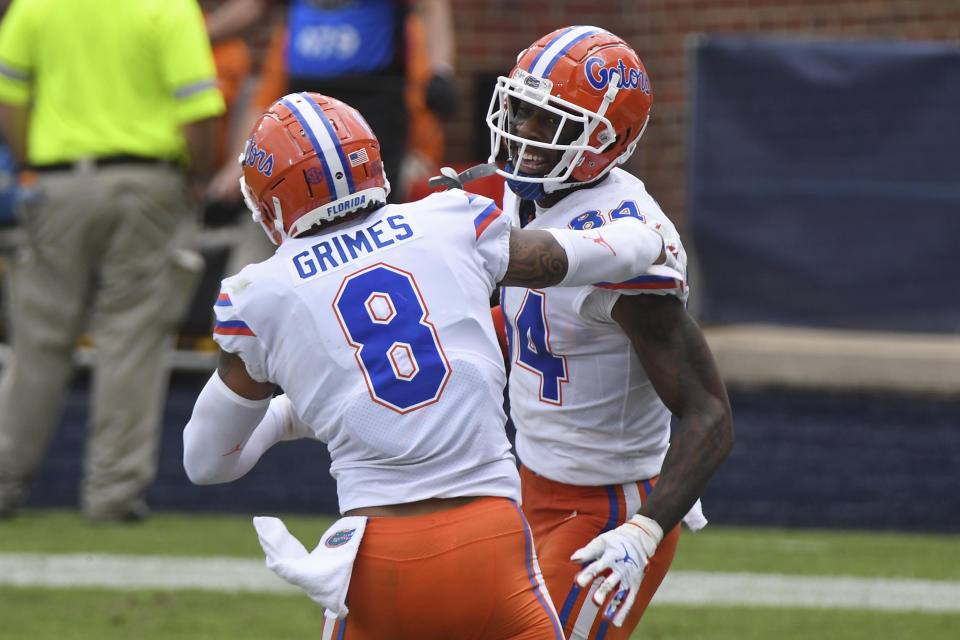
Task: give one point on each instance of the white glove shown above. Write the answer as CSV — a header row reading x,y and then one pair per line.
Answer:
x,y
625,551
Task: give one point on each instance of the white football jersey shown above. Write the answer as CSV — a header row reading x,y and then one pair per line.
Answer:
x,y
584,408
380,333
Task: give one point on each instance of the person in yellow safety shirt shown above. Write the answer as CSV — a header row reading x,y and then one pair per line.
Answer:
x,y
113,105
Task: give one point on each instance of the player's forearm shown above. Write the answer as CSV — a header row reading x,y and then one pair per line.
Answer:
x,y
217,441
682,369
280,423
701,441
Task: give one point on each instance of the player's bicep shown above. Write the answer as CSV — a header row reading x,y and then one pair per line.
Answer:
x,y
234,374
672,349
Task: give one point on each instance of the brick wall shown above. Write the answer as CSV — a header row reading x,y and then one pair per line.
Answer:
x,y
491,32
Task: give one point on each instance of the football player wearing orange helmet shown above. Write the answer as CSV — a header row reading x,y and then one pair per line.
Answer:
x,y
374,319
593,89
597,371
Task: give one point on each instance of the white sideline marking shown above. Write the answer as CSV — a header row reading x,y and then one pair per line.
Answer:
x,y
138,572
680,587
800,592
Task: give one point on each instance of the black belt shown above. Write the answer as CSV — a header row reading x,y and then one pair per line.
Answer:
x,y
105,161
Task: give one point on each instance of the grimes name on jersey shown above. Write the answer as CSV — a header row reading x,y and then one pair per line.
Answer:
x,y
336,251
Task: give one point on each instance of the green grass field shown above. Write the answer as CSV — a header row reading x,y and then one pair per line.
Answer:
x,y
30,613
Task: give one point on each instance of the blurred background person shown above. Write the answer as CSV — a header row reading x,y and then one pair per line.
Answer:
x,y
113,106
392,59
233,58
233,47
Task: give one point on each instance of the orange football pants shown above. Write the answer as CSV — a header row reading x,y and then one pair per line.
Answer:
x,y
565,518
466,573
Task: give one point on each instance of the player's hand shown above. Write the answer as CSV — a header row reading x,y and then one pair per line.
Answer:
x,y
625,552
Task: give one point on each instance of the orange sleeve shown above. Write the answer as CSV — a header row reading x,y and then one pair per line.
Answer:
x,y
273,81
424,131
233,60
234,63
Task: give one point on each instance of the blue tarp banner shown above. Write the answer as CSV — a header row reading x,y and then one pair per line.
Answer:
x,y
825,183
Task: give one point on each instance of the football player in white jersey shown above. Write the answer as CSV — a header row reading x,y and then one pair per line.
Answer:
x,y
596,371
374,320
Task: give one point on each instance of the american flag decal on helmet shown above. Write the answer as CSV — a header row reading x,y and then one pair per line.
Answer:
x,y
358,157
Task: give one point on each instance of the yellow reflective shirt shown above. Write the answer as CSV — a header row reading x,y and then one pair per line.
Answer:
x,y
107,77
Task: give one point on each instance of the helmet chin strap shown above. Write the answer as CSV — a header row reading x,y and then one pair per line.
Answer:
x,y
526,190
540,190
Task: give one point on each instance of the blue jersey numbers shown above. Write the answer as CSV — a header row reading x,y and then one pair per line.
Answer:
x,y
587,220
592,219
533,347
384,318
627,209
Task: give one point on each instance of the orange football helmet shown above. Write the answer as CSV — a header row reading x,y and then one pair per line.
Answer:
x,y
592,81
310,159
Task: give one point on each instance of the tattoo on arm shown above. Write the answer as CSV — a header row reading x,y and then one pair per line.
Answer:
x,y
536,259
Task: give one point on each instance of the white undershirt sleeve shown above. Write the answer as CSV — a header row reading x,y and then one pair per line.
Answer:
x,y
227,433
615,252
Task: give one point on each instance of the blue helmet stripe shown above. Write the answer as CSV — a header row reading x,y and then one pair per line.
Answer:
x,y
316,143
335,139
556,48
324,141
